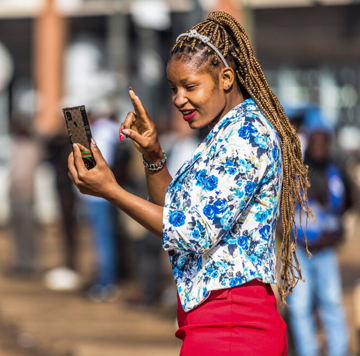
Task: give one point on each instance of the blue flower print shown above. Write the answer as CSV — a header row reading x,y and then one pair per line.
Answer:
x,y
196,156
229,192
177,218
249,188
200,177
209,211
177,272
275,153
254,259
229,163
222,124
235,282
195,234
244,166
212,152
246,131
264,232
220,206
226,220
262,141
261,215
209,270
231,170
211,183
237,192
243,242
205,292
200,228
181,261
259,249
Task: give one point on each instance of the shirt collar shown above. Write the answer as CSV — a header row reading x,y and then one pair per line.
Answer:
x,y
229,117
233,114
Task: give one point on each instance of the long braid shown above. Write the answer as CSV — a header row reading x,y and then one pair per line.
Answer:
x,y
230,39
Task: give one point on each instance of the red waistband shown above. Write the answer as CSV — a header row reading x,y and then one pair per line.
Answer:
x,y
222,293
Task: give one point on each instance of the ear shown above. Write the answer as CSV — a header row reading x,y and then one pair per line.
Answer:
x,y
227,78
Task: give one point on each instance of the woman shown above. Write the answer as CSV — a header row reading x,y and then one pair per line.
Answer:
x,y
217,216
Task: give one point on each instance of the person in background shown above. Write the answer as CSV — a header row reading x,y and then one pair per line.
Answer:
x,y
100,214
26,155
65,277
322,289
179,144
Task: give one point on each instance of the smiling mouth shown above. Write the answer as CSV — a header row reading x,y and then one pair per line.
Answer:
x,y
188,115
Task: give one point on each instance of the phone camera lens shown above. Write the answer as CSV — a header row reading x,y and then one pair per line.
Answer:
x,y
68,115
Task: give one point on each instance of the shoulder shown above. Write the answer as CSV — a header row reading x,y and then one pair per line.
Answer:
x,y
248,125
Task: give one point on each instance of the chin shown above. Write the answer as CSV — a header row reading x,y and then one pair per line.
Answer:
x,y
196,125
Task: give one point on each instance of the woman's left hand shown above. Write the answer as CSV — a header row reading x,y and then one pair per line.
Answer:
x,y
98,181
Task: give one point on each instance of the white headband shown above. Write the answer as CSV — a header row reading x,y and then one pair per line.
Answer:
x,y
206,40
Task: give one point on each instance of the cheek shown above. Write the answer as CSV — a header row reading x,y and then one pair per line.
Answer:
x,y
210,99
201,96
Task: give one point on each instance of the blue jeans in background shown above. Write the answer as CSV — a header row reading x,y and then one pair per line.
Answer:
x,y
322,290
102,216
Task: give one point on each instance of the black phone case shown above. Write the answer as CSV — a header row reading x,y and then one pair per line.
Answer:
x,y
78,128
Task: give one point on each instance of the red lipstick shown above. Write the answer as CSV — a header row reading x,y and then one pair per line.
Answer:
x,y
188,114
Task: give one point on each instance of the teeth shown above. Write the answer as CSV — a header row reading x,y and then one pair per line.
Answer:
x,y
187,112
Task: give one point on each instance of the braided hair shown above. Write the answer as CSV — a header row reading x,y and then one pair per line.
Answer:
x,y
229,37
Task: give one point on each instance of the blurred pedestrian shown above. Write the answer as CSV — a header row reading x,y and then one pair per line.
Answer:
x,y
179,143
321,294
217,217
65,277
25,159
102,215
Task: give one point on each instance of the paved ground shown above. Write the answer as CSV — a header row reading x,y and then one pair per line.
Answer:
x,y
38,322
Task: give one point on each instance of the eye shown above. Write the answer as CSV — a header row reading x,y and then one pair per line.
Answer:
x,y
191,86
174,90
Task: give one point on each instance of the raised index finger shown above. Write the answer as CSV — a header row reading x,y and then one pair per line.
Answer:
x,y
138,107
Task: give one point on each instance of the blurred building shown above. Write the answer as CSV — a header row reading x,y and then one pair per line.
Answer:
x,y
59,53
308,48
310,54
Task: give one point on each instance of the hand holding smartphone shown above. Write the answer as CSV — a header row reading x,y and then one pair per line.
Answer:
x,y
78,128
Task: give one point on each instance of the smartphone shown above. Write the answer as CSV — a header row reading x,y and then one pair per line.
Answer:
x,y
78,128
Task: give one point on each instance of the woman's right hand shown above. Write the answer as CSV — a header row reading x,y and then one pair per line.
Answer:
x,y
139,127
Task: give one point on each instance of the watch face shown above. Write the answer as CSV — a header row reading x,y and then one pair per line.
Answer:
x,y
6,67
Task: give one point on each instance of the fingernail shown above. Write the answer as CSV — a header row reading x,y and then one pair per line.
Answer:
x,y
93,142
121,137
125,132
132,89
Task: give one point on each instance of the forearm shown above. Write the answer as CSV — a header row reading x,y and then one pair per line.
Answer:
x,y
157,184
157,181
146,213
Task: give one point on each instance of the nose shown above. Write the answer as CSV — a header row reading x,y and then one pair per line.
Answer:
x,y
180,99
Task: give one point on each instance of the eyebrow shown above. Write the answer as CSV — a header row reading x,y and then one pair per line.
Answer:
x,y
182,81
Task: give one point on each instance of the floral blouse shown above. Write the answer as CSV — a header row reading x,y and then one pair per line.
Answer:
x,y
221,207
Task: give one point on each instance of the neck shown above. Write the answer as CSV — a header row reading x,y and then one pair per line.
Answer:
x,y
233,98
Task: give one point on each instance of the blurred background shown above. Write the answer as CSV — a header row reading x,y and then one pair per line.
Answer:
x,y
79,278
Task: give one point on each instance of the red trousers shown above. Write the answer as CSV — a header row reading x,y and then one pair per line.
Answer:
x,y
236,321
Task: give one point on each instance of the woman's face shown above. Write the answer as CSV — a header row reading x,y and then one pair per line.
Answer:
x,y
195,93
